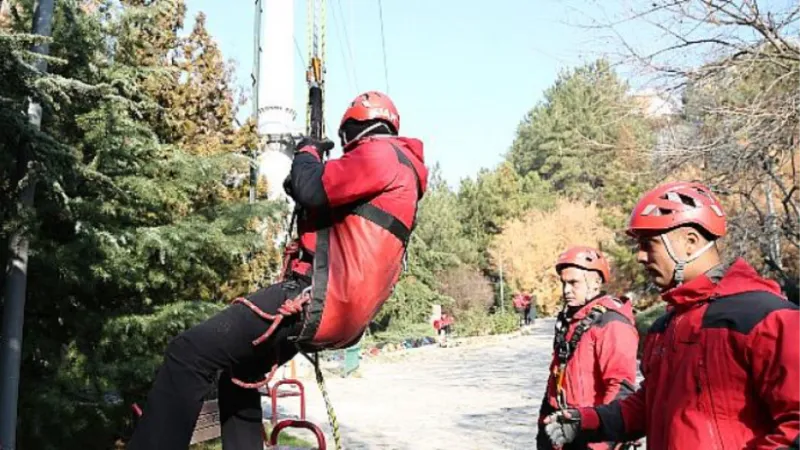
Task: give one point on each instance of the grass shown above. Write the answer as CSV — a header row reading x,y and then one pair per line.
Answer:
x,y
396,335
284,439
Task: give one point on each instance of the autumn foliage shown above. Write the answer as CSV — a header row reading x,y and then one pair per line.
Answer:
x,y
529,246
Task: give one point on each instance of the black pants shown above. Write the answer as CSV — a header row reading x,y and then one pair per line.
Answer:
x,y
213,350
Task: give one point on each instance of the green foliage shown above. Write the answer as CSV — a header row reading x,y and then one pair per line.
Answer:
x,y
587,141
494,197
438,242
583,134
128,219
409,304
284,439
475,322
97,380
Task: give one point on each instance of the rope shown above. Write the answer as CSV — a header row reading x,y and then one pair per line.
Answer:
x,y
322,34
299,53
332,419
383,44
288,308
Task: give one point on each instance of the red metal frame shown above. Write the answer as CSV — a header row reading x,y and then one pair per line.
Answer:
x,y
277,427
274,394
291,423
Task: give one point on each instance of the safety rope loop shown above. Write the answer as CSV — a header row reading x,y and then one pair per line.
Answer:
x,y
258,384
289,307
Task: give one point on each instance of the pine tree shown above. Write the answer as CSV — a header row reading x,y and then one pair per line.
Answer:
x,y
589,143
133,237
585,138
494,197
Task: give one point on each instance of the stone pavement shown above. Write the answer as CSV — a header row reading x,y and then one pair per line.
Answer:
x,y
482,395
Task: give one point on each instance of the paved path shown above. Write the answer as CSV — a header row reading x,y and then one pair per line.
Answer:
x,y
477,396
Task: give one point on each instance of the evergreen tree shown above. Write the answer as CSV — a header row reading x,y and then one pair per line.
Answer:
x,y
494,197
589,142
586,139
133,237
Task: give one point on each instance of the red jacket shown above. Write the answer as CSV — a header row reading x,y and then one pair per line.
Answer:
x,y
360,211
604,358
721,370
522,301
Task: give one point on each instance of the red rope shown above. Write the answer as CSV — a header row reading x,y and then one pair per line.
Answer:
x,y
288,308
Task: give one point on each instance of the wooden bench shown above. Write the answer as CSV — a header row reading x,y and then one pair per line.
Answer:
x,y
208,426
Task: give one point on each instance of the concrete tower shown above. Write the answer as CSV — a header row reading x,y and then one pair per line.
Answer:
x,y
276,119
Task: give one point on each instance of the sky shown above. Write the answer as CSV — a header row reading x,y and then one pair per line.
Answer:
x,y
462,74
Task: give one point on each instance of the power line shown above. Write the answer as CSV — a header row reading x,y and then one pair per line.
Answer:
x,y
383,44
299,52
341,49
349,42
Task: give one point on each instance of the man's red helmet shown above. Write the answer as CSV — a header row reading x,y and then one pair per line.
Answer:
x,y
676,204
586,258
373,105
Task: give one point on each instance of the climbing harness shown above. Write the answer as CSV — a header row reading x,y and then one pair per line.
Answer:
x,y
289,307
565,349
315,128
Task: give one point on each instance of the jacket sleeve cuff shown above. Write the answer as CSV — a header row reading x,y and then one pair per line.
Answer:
x,y
590,420
311,151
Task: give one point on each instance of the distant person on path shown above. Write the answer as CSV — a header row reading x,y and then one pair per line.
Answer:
x,y
594,351
722,366
522,304
531,312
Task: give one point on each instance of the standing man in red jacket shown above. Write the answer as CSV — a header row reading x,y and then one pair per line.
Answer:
x,y
721,367
594,353
358,213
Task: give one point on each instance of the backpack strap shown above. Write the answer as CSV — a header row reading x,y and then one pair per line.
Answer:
x,y
387,221
566,349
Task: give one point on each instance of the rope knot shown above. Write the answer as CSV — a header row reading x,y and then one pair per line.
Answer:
x,y
289,307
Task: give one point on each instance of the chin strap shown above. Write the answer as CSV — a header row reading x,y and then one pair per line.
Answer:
x,y
680,265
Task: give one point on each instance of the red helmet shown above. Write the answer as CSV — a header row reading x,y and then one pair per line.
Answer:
x,y
586,258
674,204
373,105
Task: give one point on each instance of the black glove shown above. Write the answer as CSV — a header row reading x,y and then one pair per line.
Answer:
x,y
321,146
287,185
561,429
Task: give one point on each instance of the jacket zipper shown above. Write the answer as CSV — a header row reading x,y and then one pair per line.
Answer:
x,y
711,423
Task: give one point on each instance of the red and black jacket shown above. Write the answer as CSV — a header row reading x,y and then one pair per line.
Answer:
x,y
602,366
721,369
360,212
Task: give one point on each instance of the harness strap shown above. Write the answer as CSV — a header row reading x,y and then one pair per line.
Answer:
x,y
566,349
385,220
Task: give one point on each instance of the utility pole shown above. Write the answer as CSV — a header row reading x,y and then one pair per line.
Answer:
x,y
256,78
17,267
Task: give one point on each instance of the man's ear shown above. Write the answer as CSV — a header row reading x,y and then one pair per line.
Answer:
x,y
692,240
597,281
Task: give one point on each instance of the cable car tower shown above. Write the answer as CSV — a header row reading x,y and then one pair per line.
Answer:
x,y
274,76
